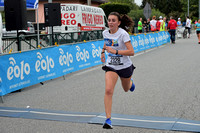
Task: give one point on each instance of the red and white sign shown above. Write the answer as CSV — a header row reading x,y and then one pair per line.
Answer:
x,y
93,19
88,28
76,17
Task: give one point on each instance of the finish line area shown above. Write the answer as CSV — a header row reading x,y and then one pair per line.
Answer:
x,y
159,123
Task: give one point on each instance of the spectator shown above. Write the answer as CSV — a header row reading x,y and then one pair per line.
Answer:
x,y
162,25
161,20
172,29
158,25
179,23
148,25
140,26
153,24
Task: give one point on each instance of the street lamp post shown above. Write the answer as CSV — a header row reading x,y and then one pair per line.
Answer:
x,y
199,9
188,6
50,28
89,2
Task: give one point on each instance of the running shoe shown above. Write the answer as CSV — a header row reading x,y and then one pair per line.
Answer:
x,y
133,86
199,42
108,124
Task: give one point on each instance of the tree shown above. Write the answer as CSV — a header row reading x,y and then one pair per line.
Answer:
x,y
132,3
121,8
137,14
193,9
165,6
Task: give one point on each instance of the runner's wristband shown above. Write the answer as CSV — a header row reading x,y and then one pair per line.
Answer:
x,y
102,52
116,52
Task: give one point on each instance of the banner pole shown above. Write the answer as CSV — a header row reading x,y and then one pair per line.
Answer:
x,y
2,99
38,33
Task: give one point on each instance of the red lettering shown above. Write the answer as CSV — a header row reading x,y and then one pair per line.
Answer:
x,y
72,15
66,16
91,20
68,22
98,19
73,22
83,18
87,18
101,19
63,22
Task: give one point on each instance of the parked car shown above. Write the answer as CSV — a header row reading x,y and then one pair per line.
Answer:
x,y
30,30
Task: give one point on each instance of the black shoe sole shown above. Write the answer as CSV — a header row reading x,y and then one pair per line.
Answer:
x,y
106,126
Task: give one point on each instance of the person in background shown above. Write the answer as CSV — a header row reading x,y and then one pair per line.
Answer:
x,y
179,23
166,24
158,25
172,29
148,25
153,24
140,25
145,25
161,20
188,25
118,63
197,27
195,22
179,30
162,25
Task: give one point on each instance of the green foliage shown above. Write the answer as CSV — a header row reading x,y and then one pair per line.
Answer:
x,y
137,14
121,8
131,3
193,9
176,8
164,6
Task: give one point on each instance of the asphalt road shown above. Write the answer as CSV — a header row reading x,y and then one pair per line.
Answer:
x,y
167,85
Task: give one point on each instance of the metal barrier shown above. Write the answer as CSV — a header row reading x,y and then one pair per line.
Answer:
x,y
29,42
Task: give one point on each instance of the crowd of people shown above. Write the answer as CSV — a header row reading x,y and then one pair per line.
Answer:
x,y
171,25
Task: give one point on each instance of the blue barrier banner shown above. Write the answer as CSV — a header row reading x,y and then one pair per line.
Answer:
x,y
143,42
24,69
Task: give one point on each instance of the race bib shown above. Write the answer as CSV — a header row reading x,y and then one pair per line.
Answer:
x,y
115,59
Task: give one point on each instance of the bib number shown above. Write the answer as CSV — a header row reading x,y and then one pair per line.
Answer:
x,y
115,60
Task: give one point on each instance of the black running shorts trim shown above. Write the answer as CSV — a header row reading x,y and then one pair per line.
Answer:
x,y
197,32
188,29
123,73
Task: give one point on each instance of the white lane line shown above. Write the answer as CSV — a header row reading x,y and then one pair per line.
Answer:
x,y
186,123
76,115
4,110
154,121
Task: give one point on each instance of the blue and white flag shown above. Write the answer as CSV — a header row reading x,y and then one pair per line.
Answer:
x,y
1,2
29,3
32,4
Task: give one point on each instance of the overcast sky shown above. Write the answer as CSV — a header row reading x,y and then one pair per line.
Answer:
x,y
138,2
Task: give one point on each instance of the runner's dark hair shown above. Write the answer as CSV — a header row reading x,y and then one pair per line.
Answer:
x,y
126,21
